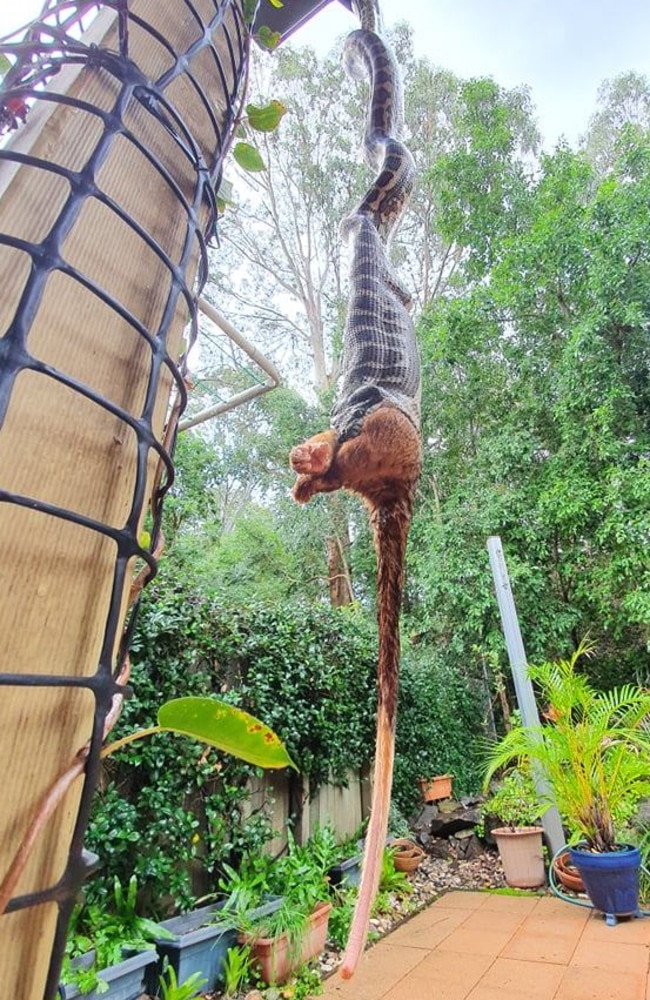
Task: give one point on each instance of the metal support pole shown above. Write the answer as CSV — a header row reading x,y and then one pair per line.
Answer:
x,y
523,687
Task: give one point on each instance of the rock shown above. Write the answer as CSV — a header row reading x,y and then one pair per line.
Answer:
x,y
439,848
423,838
448,806
449,823
422,819
467,845
490,823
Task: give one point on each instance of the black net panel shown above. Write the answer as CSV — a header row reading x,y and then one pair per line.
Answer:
x,y
151,85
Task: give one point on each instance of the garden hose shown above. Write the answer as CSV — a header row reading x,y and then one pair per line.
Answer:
x,y
557,891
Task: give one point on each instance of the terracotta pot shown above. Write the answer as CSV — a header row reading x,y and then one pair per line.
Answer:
x,y
436,788
520,850
407,854
566,873
276,958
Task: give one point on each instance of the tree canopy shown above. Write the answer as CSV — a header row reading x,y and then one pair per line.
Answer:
x,y
530,271
532,279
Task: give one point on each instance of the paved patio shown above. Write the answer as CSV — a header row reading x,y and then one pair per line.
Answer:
x,y
480,946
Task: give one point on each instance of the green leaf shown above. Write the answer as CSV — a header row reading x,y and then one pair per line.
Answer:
x,y
5,65
226,727
265,119
276,3
248,157
268,39
250,7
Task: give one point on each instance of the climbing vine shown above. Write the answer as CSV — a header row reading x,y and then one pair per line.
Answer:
x,y
172,811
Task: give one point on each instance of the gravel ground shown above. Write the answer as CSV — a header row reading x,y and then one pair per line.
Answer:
x,y
432,878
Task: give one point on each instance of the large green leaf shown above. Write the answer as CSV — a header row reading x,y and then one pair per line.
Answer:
x,y
226,727
265,119
248,157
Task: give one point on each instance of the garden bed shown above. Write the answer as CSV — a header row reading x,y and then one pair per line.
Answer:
x,y
435,876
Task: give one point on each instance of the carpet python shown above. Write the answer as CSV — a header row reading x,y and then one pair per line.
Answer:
x,y
380,363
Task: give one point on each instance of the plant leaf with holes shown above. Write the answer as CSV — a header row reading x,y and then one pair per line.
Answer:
x,y
265,119
226,727
248,157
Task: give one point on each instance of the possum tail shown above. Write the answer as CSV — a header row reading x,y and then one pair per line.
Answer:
x,y
390,522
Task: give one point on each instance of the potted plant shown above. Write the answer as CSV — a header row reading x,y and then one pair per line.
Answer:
x,y
516,805
438,787
289,938
296,930
594,749
198,942
346,872
109,952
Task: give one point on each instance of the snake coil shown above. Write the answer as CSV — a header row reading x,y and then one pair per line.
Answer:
x,y
380,363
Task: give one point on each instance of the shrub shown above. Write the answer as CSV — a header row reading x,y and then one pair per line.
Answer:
x,y
170,811
439,714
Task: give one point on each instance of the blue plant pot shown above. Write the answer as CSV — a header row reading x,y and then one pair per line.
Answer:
x,y
125,981
347,872
200,944
611,879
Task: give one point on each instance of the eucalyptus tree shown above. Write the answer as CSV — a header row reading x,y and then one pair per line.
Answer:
x,y
623,106
280,268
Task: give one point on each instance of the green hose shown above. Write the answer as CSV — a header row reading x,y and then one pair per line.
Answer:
x,y
557,891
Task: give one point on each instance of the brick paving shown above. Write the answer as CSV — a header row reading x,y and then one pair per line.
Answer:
x,y
480,946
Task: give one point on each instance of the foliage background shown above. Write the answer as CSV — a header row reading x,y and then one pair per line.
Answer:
x,y
531,274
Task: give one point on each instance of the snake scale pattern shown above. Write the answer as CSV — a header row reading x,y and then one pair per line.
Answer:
x,y
380,363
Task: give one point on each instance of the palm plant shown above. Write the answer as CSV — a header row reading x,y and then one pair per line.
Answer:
x,y
594,749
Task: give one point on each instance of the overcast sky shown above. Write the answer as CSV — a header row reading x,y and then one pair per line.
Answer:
x,y
563,49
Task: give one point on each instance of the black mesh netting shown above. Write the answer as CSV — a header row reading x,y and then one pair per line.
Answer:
x,y
152,86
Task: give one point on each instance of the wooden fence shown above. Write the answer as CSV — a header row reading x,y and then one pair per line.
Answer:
x,y
288,802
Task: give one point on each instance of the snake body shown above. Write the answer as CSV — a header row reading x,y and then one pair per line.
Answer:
x,y
380,364
373,445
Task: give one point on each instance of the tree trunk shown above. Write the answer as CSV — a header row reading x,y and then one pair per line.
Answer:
x,y
338,548
340,585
